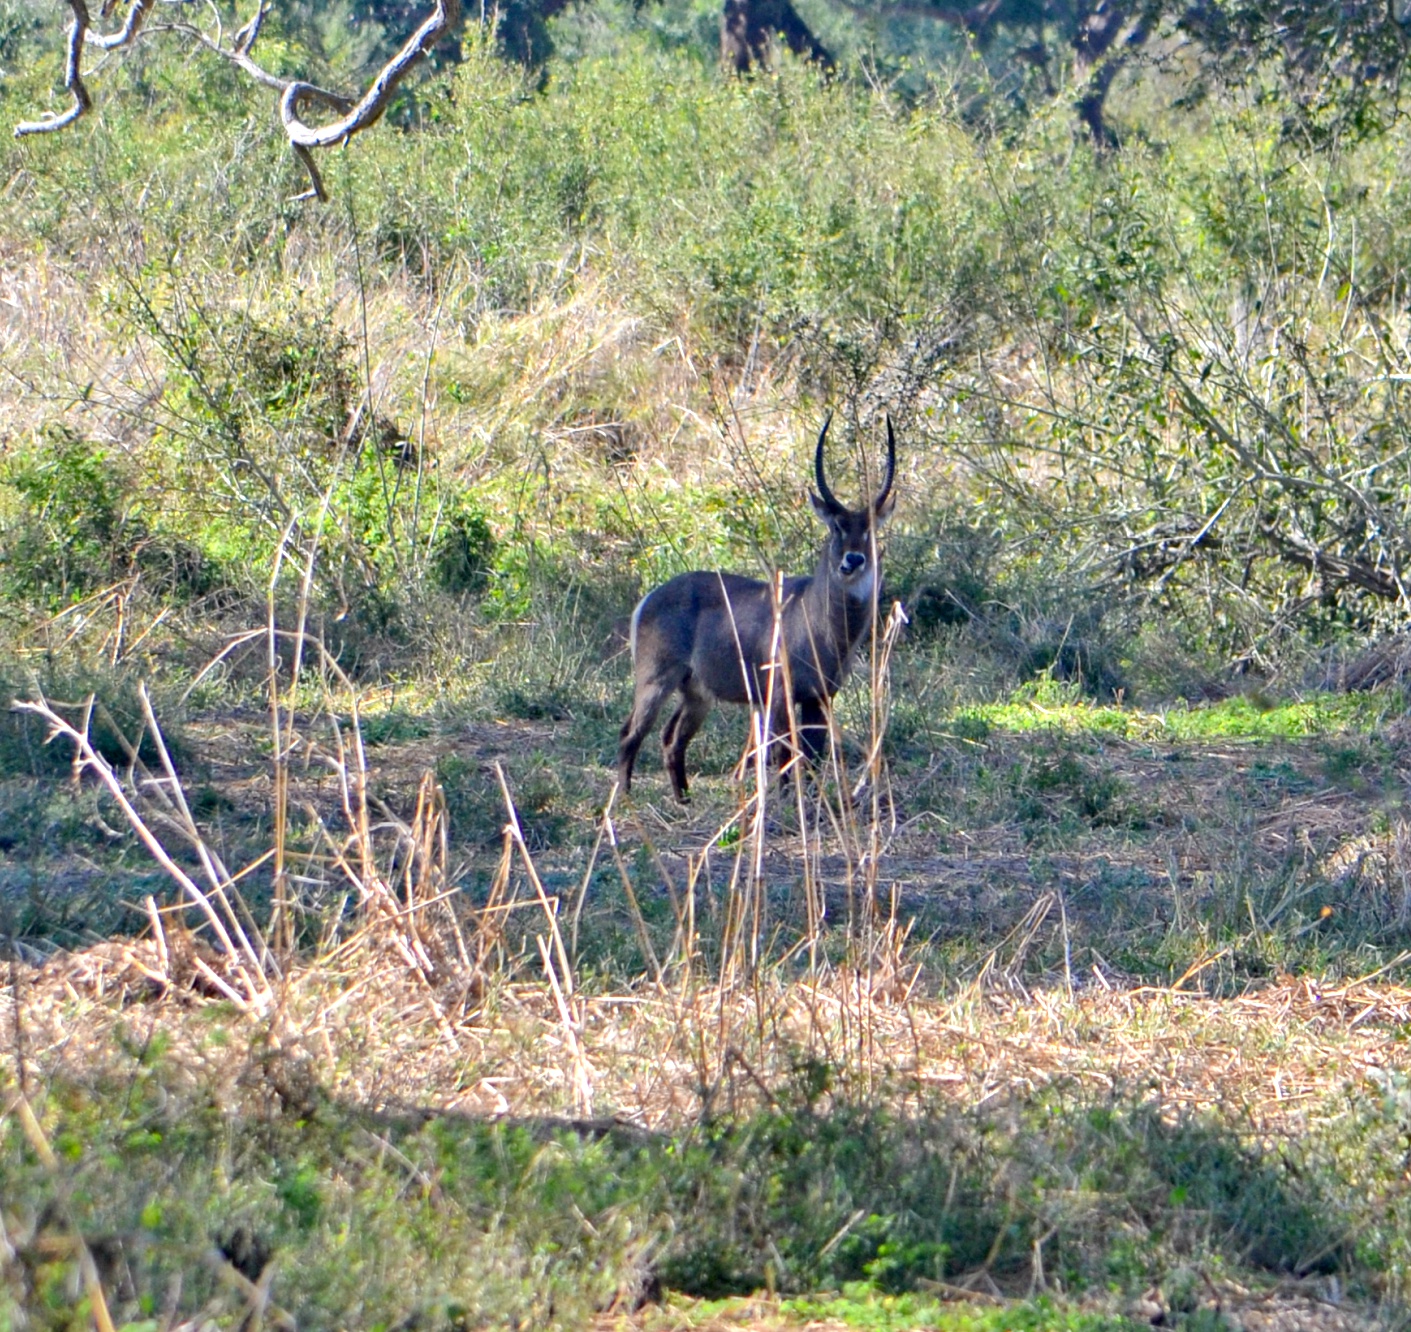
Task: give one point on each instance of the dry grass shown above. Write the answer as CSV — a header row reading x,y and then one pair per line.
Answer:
x,y
54,352
370,1032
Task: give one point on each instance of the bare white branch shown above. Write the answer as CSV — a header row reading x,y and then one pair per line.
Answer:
x,y
369,109
73,79
127,34
296,96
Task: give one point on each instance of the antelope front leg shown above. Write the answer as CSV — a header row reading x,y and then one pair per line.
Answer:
x,y
784,741
808,742
813,730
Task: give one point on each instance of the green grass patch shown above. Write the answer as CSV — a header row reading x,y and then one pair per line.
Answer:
x,y
861,1305
1048,705
451,1220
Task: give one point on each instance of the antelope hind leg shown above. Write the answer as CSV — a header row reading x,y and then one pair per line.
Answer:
x,y
685,722
645,706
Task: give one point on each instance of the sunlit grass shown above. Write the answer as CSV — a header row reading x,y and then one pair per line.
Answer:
x,y
863,1306
1049,705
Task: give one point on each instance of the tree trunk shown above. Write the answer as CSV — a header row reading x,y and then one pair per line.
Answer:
x,y
747,29
1100,56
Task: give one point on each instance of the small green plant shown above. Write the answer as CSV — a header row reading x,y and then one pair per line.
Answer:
x,y
474,804
81,528
862,1305
394,726
464,553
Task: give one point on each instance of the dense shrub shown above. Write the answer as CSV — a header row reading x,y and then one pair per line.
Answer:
x,y
1169,381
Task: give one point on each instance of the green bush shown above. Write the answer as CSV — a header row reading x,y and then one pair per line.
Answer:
x,y
80,528
463,554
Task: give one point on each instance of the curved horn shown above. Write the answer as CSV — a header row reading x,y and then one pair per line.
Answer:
x,y
829,498
891,466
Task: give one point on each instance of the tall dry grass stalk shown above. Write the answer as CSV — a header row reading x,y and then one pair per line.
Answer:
x,y
249,968
735,1010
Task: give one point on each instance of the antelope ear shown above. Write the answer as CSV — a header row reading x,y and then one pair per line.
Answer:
x,y
881,512
822,508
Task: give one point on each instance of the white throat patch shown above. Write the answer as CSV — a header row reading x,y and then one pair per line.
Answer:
x,y
862,589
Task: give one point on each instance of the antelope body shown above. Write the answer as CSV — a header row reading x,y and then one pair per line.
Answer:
x,y
712,636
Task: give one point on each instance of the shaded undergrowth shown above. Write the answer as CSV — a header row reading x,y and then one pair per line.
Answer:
x,y
377,1218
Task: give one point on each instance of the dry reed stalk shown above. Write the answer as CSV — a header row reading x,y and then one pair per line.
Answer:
x,y
423,847
281,924
494,915
159,935
557,969
88,1269
886,949
260,1309
690,1026
815,897
815,901
172,795
550,905
764,741
745,902
603,824
235,944
386,922
282,728
429,837
630,893
82,614
1022,937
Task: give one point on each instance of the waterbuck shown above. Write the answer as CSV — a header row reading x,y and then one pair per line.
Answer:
x,y
710,636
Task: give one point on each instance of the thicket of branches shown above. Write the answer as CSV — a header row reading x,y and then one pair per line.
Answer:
x,y
1167,379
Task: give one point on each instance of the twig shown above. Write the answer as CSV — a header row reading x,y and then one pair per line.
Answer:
x,y
357,114
232,940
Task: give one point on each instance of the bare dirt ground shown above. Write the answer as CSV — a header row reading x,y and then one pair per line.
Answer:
x,y
1173,817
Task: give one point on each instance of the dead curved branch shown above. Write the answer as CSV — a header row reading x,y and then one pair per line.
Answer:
x,y
296,96
73,79
127,34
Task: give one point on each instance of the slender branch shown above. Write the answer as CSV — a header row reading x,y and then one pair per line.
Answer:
x,y
73,79
296,96
374,102
238,53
